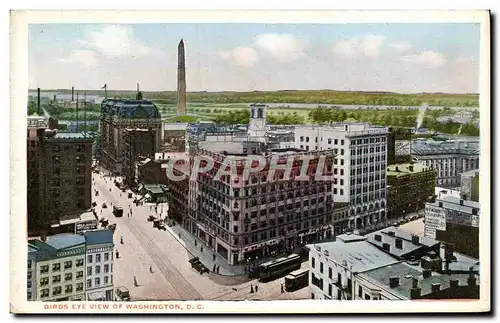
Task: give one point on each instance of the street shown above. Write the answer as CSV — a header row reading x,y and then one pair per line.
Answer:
x,y
172,277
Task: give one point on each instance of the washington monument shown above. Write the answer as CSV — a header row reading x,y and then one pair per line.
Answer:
x,y
181,80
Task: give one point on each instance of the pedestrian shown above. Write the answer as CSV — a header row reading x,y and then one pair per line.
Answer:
x,y
195,243
201,249
251,289
217,269
151,270
256,288
282,289
213,257
213,269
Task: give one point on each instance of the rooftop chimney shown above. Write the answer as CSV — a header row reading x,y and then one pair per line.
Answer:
x,y
440,204
378,237
399,243
435,287
386,247
393,281
415,239
415,291
427,273
397,169
461,202
391,233
38,107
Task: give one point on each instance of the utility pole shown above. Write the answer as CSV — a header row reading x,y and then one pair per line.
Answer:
x,y
77,112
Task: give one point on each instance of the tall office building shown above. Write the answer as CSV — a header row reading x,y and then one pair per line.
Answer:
x,y
359,168
181,79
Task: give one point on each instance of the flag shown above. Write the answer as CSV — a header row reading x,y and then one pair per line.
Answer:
x,y
104,86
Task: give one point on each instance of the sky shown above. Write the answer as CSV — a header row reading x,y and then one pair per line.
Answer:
x,y
404,58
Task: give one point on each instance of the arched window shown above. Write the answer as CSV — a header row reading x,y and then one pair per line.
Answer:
x,y
252,112
260,114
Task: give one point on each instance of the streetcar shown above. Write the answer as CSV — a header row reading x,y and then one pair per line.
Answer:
x,y
279,267
297,280
117,211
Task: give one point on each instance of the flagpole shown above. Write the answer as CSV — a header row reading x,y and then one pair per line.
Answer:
x,y
85,113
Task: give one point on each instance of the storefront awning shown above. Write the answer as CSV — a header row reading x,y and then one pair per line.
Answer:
x,y
96,296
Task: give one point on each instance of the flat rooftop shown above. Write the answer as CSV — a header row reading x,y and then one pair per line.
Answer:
x,y
65,240
361,255
453,203
405,169
407,245
405,273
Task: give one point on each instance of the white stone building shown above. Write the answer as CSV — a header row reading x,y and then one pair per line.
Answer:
x,y
359,169
59,269
449,158
99,265
334,265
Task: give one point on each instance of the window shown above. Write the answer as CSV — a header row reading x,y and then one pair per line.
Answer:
x,y
89,259
79,287
56,267
106,256
29,283
89,271
330,273
97,270
106,268
44,281
98,257
29,295
330,290
89,283
321,267
307,139
79,262
56,279
367,297
342,141
79,274
45,292
312,295
329,141
68,264
68,289
301,138
313,262
106,279
57,290
336,142
97,281
68,276
360,291
29,264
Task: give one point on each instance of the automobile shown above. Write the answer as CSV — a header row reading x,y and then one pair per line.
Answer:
x,y
395,224
94,204
104,205
123,293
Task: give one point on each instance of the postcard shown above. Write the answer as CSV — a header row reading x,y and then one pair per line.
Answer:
x,y
250,162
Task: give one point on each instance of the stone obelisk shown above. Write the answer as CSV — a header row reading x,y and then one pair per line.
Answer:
x,y
181,79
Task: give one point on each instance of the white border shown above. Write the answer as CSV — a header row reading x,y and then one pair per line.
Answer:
x,y
19,86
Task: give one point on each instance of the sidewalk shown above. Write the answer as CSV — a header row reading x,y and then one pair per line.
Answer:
x,y
187,241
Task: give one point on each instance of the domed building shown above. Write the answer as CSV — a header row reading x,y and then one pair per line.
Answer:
x,y
129,129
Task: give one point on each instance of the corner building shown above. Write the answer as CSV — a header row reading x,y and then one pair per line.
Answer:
x,y
116,117
247,219
359,168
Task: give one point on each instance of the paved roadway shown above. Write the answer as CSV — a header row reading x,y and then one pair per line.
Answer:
x,y
172,277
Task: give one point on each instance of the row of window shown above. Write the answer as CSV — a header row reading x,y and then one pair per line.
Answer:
x,y
57,278
106,269
57,266
97,281
90,258
56,291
